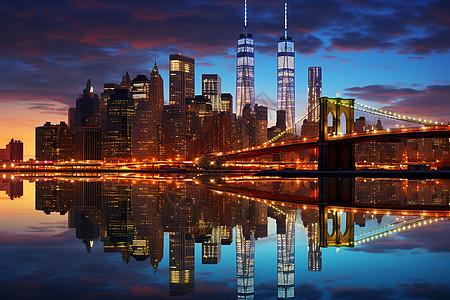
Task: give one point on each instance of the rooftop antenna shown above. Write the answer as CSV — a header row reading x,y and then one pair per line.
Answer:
x,y
285,19
245,17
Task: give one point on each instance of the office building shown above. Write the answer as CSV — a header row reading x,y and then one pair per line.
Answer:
x,y
286,76
55,142
119,122
87,111
226,103
212,89
181,79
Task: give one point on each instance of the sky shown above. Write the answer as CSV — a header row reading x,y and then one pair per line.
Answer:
x,y
388,54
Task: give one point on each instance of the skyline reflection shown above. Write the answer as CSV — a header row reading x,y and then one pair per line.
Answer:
x,y
130,216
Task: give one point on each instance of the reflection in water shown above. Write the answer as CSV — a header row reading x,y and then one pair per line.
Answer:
x,y
130,216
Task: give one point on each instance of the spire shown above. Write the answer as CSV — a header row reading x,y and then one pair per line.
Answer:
x,y
285,19
89,89
155,68
245,17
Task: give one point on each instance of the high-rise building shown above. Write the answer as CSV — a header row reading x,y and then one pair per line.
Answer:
x,y
227,103
14,151
140,134
108,89
212,89
55,142
87,125
314,92
146,133
181,79
245,71
156,109
286,75
119,122
174,132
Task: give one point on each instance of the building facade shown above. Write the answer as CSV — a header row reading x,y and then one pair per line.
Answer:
x,y
181,79
212,89
314,92
55,142
286,76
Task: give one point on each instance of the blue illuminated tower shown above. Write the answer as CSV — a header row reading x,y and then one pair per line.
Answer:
x,y
286,76
245,71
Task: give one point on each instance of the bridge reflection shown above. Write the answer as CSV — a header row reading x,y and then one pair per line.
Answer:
x,y
130,215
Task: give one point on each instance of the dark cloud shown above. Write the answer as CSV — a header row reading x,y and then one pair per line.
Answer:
x,y
356,41
430,102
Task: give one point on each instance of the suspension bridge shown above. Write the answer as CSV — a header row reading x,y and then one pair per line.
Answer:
x,y
336,150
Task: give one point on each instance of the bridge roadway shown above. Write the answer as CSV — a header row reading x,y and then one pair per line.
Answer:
x,y
381,135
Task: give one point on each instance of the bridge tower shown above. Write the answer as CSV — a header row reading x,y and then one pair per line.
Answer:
x,y
336,155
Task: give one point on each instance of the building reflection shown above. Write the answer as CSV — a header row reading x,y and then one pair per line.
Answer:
x,y
13,187
130,217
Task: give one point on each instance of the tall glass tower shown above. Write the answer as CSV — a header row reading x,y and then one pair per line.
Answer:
x,y
286,75
314,92
245,72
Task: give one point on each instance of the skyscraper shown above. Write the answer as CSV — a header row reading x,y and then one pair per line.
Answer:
x,y
87,125
286,75
119,122
245,71
314,92
149,95
212,89
142,121
181,79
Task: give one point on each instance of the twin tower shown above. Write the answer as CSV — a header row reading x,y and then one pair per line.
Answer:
x,y
245,73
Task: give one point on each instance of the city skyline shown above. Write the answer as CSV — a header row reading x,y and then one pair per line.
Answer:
x,y
382,55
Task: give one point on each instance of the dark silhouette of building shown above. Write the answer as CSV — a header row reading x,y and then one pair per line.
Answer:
x,y
87,143
55,142
13,151
174,132
87,125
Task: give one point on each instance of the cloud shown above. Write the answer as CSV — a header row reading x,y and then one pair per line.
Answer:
x,y
431,102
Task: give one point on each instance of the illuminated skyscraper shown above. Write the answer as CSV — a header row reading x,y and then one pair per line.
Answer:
x,y
314,92
119,122
286,75
245,71
181,79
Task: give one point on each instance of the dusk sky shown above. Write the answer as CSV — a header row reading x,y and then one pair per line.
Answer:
x,y
390,54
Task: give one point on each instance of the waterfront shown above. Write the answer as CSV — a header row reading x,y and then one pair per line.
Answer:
x,y
155,237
